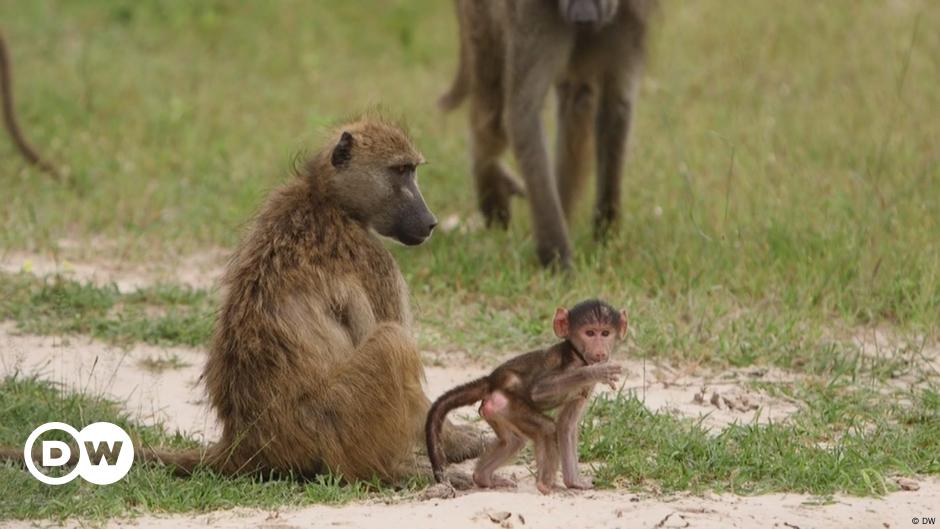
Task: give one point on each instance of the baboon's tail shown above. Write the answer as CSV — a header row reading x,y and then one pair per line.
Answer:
x,y
183,462
459,87
462,395
9,115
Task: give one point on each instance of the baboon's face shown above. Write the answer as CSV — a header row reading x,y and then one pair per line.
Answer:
x,y
376,181
594,13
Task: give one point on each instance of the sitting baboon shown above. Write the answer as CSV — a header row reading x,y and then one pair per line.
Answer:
x,y
312,366
511,53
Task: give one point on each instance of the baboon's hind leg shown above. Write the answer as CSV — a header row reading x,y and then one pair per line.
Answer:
x,y
614,118
494,185
577,102
374,408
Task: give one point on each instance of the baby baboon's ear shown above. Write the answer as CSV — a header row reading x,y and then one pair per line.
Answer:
x,y
342,153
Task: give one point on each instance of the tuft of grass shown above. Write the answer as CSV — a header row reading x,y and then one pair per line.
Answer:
x,y
162,314
844,440
25,403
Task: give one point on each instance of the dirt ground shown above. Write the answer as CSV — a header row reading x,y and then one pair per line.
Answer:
x,y
174,397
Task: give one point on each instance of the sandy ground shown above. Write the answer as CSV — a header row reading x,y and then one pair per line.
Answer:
x,y
175,398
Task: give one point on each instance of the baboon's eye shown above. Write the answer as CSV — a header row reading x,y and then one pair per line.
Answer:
x,y
605,334
590,333
402,169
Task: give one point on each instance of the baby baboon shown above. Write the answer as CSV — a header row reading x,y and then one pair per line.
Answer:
x,y
517,394
511,53
9,114
312,366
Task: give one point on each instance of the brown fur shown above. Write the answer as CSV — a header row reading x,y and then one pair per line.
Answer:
x,y
516,395
312,366
9,114
511,53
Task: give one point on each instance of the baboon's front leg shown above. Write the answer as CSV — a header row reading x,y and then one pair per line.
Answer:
x,y
535,57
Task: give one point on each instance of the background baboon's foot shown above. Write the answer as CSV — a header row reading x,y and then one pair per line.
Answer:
x,y
462,442
497,188
605,222
495,210
556,255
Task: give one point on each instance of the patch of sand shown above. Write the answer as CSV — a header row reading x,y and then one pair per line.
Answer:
x,y
175,398
200,270
594,510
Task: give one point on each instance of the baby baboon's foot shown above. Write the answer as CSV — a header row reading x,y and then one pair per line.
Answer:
x,y
462,442
580,484
493,481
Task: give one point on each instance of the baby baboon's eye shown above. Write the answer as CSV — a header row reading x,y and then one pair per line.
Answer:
x,y
605,334
590,333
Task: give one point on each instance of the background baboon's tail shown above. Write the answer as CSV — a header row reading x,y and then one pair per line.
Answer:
x,y
9,115
459,87
462,395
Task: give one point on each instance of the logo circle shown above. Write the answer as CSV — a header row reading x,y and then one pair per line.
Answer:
x,y
103,436
28,453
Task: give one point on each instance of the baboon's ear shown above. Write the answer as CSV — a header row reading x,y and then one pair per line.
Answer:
x,y
342,153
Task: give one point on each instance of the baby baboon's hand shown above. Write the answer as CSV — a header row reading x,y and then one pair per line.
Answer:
x,y
606,373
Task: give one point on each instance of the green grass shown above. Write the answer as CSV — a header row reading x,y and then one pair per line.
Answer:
x,y
27,403
793,168
780,195
842,442
161,315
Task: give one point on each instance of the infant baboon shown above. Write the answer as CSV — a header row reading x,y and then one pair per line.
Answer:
x,y
312,366
516,395
511,53
9,114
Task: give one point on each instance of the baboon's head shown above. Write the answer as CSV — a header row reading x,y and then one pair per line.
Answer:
x,y
593,13
375,166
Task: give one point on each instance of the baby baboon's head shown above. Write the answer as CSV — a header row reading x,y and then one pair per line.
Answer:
x,y
594,13
375,166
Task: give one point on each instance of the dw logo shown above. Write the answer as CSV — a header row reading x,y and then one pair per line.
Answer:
x,y
106,453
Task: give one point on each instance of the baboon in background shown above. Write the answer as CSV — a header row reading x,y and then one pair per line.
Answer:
x,y
312,366
511,53
9,114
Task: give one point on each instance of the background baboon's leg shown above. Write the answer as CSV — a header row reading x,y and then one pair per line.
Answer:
x,y
494,185
614,117
577,102
369,416
535,58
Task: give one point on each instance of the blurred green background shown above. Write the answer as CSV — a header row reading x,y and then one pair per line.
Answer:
x,y
784,169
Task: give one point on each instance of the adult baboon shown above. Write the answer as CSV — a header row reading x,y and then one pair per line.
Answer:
x,y
511,53
312,366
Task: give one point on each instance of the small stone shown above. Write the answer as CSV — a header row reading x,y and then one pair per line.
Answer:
x,y
907,484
